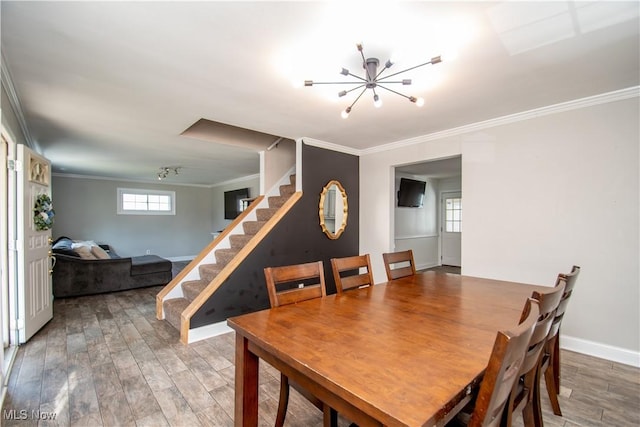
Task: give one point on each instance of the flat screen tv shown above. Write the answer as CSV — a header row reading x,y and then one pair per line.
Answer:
x,y
233,202
411,193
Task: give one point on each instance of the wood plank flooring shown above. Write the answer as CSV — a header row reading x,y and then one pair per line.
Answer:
x,y
106,361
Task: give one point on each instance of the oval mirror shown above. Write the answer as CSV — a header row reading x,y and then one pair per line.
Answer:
x,y
333,209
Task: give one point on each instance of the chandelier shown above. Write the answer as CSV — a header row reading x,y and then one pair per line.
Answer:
x,y
374,79
166,170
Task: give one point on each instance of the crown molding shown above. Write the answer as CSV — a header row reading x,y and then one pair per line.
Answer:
x,y
331,146
139,181
604,98
7,83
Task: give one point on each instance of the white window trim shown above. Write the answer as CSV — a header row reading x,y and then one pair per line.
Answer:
x,y
122,191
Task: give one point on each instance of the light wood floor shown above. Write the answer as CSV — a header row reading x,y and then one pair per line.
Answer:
x,y
106,360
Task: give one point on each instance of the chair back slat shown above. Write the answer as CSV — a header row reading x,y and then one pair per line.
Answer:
x,y
503,370
568,282
295,283
548,304
353,265
292,296
399,264
522,394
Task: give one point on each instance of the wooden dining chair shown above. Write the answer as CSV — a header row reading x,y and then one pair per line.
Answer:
x,y
502,371
522,398
550,363
283,286
405,264
343,266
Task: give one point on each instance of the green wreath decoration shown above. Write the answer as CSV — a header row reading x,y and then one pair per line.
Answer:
x,y
43,213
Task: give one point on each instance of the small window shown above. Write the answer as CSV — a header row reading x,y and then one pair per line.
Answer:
x,y
135,201
453,215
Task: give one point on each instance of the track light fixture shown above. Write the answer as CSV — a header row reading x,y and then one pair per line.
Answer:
x,y
373,79
166,170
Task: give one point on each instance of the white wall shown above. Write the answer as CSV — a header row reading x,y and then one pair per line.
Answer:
x,y
86,209
217,194
540,195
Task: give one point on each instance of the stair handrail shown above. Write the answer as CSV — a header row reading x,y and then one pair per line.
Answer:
x,y
200,257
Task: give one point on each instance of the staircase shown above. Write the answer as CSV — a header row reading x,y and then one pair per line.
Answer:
x,y
190,289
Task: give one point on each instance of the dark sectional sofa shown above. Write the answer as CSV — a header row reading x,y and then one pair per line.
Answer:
x,y
75,276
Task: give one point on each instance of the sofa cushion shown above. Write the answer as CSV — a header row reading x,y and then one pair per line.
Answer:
x,y
67,252
146,264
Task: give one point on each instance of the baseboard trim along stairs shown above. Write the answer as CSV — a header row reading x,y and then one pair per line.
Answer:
x,y
198,281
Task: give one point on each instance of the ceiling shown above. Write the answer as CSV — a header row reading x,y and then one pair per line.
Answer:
x,y
107,88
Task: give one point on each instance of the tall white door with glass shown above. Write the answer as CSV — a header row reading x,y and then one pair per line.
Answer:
x,y
451,249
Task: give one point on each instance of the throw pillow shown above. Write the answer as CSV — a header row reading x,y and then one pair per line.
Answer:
x,y
63,243
85,252
99,253
86,243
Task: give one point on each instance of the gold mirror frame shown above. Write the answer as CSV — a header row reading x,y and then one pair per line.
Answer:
x,y
332,234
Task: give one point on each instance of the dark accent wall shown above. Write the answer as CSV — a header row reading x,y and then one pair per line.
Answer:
x,y
298,238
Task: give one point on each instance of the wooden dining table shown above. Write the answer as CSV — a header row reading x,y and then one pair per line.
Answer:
x,y
408,352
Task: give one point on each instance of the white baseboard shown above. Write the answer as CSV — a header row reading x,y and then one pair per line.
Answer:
x,y
603,351
208,331
181,258
426,265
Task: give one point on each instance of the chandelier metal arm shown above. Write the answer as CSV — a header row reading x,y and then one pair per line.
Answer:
x,y
344,92
396,92
311,83
404,82
433,61
356,100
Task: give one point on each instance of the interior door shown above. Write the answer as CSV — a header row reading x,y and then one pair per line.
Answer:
x,y
451,246
35,295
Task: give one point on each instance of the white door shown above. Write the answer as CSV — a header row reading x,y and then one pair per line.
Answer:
x,y
35,295
451,227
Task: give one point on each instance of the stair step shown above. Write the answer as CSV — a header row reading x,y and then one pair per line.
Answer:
x,y
277,201
239,241
264,214
173,308
192,288
287,190
252,227
209,271
223,256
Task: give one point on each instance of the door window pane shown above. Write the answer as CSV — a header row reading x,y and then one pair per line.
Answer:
x,y
453,215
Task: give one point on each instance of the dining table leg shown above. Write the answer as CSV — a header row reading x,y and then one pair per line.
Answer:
x,y
246,404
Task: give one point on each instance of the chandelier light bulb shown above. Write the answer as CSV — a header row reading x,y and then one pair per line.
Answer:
x,y
345,113
420,102
377,102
